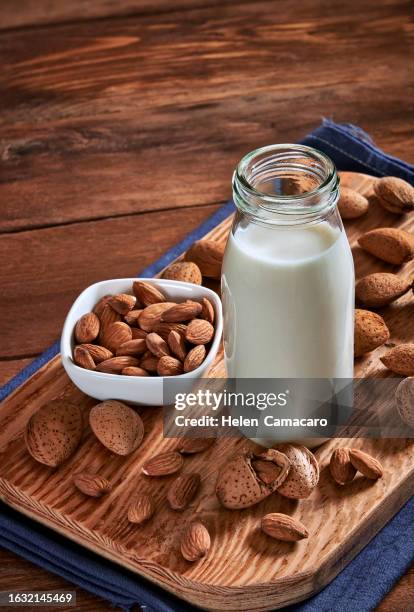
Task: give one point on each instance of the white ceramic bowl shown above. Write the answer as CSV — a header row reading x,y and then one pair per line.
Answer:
x,y
145,390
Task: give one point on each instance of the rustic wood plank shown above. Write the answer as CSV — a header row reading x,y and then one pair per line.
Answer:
x,y
17,574
10,368
38,12
43,271
150,113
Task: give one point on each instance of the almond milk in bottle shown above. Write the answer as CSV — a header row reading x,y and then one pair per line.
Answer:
x,y
288,274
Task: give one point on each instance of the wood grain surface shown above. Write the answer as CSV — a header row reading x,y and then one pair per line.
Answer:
x,y
341,520
166,117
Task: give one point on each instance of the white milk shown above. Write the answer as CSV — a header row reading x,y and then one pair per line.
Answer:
x,y
288,297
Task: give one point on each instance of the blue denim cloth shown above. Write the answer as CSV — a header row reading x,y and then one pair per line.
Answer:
x,y
359,587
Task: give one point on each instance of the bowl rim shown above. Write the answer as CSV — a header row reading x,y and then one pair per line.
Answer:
x,y
67,332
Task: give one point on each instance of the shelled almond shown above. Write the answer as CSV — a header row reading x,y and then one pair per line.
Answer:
x,y
143,334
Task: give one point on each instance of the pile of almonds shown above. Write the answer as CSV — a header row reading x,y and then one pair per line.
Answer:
x,y
380,289
142,334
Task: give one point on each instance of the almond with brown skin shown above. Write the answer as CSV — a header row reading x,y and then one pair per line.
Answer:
x,y
195,542
183,490
181,312
141,509
176,342
394,194
92,485
390,244
169,366
157,345
370,332
208,255
101,304
122,303
116,334
107,316
364,463
98,353
239,485
151,315
194,358
191,446
138,334
54,432
283,527
164,329
352,204
132,347
163,464
147,293
186,271
380,289
134,371
404,397
303,475
132,317
83,358
400,359
149,362
87,328
115,365
117,426
341,468
199,331
207,310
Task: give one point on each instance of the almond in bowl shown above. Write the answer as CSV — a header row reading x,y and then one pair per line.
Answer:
x,y
141,332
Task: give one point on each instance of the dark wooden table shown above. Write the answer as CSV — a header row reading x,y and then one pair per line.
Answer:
x,y
121,122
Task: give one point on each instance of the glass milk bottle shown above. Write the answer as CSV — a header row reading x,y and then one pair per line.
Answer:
x,y
288,273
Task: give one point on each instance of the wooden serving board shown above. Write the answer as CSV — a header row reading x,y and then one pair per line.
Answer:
x,y
244,570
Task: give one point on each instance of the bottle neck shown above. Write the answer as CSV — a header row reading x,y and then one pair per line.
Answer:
x,y
286,185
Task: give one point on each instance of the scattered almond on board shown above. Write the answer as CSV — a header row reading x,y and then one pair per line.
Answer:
x,y
346,462
92,485
395,246
54,432
143,334
370,331
400,359
404,398
283,527
195,542
394,194
380,289
117,426
352,204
